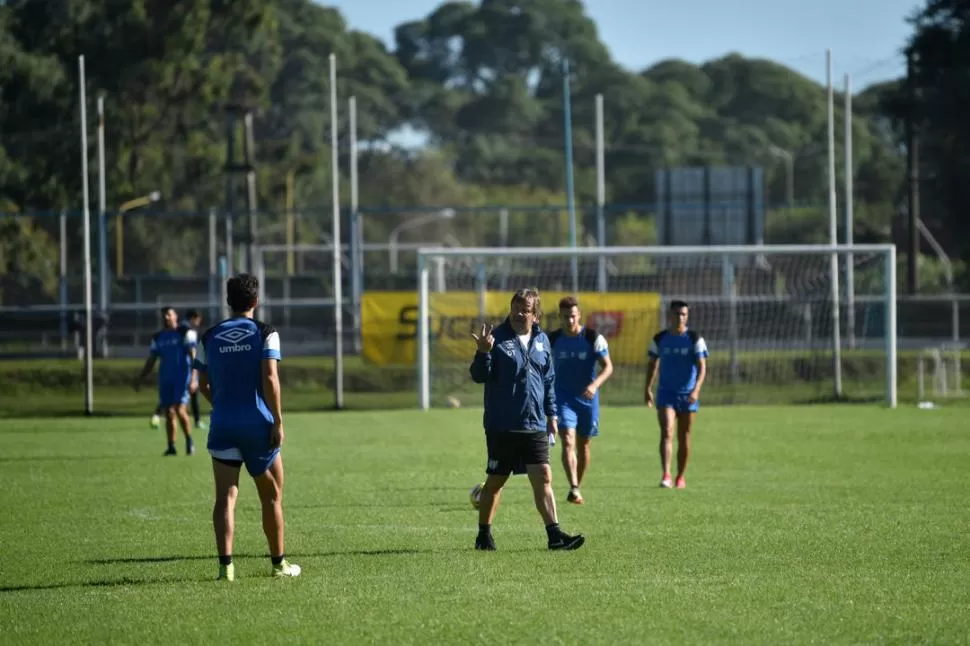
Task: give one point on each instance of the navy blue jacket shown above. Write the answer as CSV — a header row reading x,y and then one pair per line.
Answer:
x,y
519,383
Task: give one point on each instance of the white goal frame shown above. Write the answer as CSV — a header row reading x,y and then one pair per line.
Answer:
x,y
887,251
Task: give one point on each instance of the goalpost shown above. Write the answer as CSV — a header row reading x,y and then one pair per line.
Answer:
x,y
770,315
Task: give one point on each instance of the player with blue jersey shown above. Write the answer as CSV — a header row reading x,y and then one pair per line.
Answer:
x,y
682,357
174,346
238,374
193,321
577,351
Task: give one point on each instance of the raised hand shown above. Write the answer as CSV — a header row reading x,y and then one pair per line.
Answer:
x,y
484,339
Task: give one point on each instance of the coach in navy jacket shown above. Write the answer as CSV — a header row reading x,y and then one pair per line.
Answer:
x,y
519,382
514,361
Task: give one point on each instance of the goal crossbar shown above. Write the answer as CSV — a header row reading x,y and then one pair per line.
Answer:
x,y
657,252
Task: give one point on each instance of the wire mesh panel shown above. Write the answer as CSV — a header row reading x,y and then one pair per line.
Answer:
x,y
770,316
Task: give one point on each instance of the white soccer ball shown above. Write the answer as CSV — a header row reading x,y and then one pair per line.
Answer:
x,y
453,402
475,495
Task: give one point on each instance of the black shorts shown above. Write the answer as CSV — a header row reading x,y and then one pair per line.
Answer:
x,y
509,453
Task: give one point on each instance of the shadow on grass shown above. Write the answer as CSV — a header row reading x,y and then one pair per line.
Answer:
x,y
61,458
99,583
293,555
73,413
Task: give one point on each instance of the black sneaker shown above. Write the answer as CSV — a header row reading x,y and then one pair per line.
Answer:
x,y
567,542
170,451
485,542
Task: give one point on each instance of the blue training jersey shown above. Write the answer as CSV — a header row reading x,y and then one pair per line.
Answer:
x,y
678,354
575,360
231,354
174,350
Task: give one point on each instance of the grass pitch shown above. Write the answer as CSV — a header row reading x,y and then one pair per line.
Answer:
x,y
800,525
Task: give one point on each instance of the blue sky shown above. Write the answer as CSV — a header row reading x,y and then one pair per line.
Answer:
x,y
865,36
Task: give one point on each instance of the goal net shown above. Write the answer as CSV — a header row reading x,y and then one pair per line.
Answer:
x,y
781,323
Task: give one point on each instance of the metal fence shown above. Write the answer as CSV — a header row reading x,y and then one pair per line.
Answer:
x,y
144,259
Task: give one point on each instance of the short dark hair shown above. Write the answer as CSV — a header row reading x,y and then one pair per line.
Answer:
x,y
568,303
525,294
164,310
193,314
676,305
242,292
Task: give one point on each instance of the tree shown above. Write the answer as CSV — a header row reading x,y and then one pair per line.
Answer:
x,y
482,81
937,101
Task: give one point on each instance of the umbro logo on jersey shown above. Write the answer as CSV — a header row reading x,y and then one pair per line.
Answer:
x,y
235,335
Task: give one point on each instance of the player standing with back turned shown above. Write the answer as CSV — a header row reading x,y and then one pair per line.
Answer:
x,y
237,366
682,354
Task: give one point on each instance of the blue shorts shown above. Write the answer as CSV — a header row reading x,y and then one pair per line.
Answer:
x,y
585,419
246,447
679,402
173,394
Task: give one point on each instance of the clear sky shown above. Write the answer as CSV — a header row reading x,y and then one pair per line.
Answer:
x,y
865,36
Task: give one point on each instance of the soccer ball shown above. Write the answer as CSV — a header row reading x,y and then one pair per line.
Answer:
x,y
475,495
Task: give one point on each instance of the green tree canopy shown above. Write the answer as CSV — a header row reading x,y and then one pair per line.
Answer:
x,y
479,82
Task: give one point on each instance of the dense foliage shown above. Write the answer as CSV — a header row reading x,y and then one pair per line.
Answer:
x,y
476,90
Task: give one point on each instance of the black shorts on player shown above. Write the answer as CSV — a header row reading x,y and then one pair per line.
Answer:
x,y
510,452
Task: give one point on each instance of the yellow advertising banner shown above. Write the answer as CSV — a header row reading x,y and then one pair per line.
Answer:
x,y
389,322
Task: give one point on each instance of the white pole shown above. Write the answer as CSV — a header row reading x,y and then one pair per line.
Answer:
x,y
890,325
88,336
338,314
213,263
833,235
356,226
600,191
62,291
424,350
849,217
102,215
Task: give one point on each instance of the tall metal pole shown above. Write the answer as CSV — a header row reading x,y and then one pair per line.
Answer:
x,y
230,208
570,192
790,180
102,216
249,154
88,363
912,162
230,251
62,291
213,263
290,222
833,236
338,315
600,191
849,217
356,227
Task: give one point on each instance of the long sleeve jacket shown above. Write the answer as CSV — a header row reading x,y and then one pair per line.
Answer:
x,y
519,382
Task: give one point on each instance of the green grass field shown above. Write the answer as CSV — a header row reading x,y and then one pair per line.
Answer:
x,y
800,525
